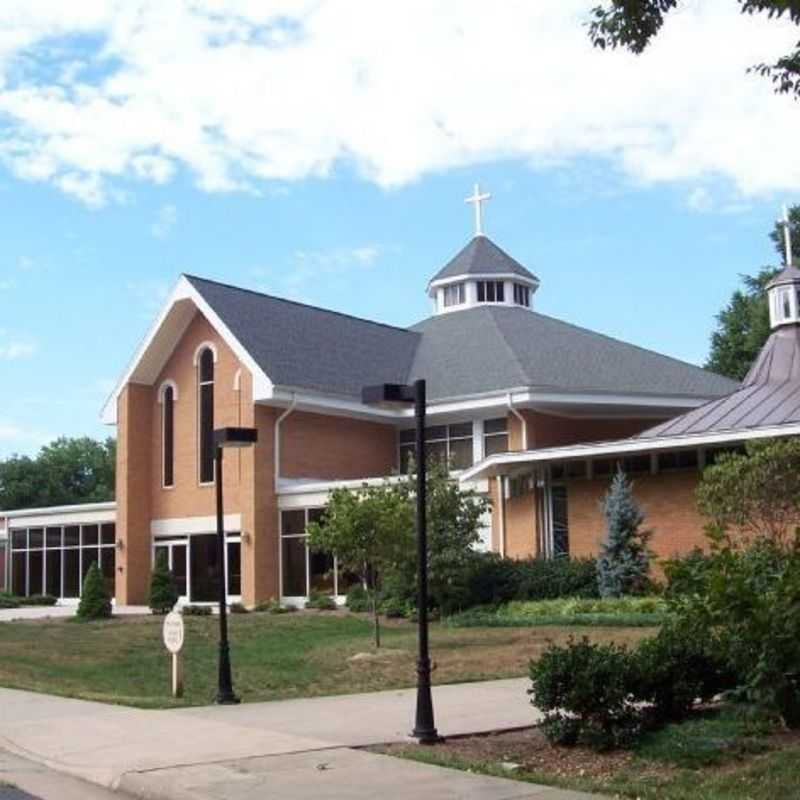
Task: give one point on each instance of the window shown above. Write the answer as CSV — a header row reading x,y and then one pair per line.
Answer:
x,y
449,443
560,516
454,295
56,559
679,459
304,571
495,436
786,303
168,436
522,295
490,291
568,469
205,405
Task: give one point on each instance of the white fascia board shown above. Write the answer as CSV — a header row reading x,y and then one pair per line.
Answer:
x,y
495,464
183,526
490,401
183,290
86,513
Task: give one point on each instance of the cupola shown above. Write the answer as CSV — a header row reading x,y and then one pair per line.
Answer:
x,y
481,274
783,291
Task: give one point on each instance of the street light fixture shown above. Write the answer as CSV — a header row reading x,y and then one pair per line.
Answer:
x,y
226,437
386,393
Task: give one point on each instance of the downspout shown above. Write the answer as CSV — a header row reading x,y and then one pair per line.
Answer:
x,y
522,421
501,513
277,447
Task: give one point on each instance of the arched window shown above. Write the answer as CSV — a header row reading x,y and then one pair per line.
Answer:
x,y
168,436
205,406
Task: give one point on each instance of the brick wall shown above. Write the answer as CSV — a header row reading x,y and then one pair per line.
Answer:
x,y
328,447
667,500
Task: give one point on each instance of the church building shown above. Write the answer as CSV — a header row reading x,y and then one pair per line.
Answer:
x,y
532,411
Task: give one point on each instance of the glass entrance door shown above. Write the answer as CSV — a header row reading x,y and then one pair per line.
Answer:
x,y
177,560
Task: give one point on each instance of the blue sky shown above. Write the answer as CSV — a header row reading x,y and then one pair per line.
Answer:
x,y
122,168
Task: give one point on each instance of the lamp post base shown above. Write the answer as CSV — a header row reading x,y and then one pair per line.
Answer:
x,y
227,699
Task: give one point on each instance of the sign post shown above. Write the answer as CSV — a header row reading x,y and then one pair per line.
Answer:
x,y
173,634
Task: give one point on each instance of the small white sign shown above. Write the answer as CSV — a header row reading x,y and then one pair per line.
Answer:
x,y
173,632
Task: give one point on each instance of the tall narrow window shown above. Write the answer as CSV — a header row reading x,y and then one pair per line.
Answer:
x,y
168,435
205,403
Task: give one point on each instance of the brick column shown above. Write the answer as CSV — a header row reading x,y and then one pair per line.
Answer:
x,y
133,492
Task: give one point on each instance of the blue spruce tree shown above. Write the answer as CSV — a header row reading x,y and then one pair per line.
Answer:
x,y
624,560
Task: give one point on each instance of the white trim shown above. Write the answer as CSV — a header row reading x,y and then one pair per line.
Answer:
x,y
489,466
183,290
237,380
276,448
480,276
522,421
186,526
501,513
204,346
88,513
161,389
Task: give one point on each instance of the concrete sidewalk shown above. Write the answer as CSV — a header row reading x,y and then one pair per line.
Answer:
x,y
287,749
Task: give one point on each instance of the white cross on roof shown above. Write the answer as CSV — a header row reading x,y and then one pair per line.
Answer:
x,y
477,198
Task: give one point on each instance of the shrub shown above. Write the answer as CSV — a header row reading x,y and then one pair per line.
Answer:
x,y
494,580
586,692
238,608
686,574
678,666
197,611
358,599
273,606
95,602
39,600
163,593
8,600
321,602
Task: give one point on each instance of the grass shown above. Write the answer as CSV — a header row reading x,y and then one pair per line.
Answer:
x,y
622,611
717,755
296,655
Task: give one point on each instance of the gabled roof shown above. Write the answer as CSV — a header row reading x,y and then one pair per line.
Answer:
x,y
769,395
306,347
482,256
498,347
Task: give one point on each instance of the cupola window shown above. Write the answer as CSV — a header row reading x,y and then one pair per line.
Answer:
x,y
491,292
522,295
454,295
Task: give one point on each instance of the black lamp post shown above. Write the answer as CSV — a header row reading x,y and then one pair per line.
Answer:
x,y
226,437
424,727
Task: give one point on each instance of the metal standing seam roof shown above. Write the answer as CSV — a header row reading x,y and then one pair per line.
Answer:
x,y
479,350
769,395
481,256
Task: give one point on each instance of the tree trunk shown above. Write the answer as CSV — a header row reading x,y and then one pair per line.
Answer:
x,y
376,619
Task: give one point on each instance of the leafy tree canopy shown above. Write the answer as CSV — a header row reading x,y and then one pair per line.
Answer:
x,y
633,24
743,325
64,472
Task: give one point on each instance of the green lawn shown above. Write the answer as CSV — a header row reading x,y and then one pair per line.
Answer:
x,y
293,655
714,756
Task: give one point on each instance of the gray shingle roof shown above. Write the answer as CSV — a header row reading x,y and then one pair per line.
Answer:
x,y
494,347
482,256
474,351
311,348
788,274
770,395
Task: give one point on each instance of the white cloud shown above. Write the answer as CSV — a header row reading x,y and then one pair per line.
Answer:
x,y
236,92
165,222
699,199
15,350
6,285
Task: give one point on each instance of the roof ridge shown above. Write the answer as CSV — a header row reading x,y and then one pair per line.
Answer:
x,y
191,277
505,341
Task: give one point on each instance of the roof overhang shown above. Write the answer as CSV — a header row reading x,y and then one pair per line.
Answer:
x,y
160,341
516,461
60,515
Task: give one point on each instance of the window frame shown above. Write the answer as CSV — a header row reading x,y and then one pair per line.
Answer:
x,y
497,291
448,438
168,398
448,291
202,441
522,295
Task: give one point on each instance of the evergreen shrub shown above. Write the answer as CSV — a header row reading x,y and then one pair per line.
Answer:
x,y
163,593
95,602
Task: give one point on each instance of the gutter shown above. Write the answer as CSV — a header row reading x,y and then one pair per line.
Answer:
x,y
277,445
